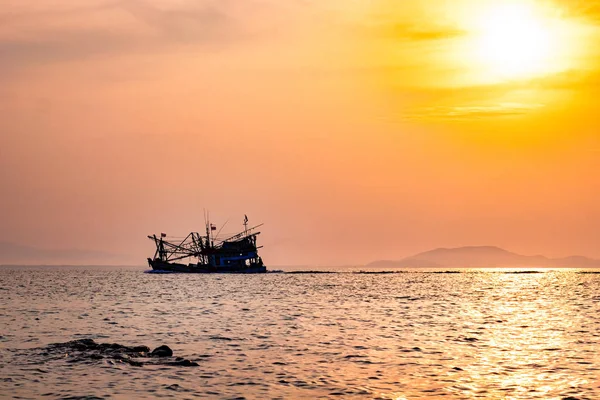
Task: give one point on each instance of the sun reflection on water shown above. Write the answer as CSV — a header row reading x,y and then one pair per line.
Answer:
x,y
523,350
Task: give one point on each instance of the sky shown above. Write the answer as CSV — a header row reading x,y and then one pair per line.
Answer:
x,y
355,130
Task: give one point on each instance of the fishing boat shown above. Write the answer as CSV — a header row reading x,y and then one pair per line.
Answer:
x,y
234,254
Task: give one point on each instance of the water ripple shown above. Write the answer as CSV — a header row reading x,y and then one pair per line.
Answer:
x,y
371,334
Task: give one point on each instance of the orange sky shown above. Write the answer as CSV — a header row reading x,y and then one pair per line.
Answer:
x,y
355,130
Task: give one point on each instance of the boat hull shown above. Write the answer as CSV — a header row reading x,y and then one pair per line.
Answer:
x,y
159,265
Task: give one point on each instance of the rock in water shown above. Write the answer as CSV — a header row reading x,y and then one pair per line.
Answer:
x,y
162,351
86,350
141,349
184,363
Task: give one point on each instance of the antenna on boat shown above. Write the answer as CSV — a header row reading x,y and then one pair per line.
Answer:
x,y
219,232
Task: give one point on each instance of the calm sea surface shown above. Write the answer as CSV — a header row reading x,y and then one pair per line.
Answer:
x,y
412,335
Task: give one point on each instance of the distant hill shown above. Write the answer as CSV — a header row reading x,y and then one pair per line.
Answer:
x,y
16,254
483,257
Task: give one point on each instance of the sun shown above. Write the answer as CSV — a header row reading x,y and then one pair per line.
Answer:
x,y
514,40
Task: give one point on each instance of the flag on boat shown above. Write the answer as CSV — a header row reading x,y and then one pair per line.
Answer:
x,y
212,227
245,219
163,235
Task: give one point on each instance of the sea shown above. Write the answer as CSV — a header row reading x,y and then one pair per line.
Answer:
x,y
401,334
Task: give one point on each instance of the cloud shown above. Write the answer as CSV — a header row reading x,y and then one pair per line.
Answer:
x,y
411,32
423,101
573,79
128,26
472,112
62,45
192,24
587,9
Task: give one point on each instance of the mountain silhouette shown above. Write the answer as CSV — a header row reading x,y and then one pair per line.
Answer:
x,y
483,257
12,253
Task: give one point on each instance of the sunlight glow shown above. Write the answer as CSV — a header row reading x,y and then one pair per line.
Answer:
x,y
516,40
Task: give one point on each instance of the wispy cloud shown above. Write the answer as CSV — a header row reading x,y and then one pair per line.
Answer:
x,y
472,112
573,79
411,32
587,9
196,23
127,26
415,33
62,45
499,100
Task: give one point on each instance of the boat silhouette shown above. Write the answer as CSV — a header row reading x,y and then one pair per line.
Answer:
x,y
235,254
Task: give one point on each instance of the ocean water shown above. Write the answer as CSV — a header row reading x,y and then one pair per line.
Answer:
x,y
477,334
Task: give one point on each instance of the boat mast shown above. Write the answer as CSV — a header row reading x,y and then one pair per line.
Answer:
x,y
208,233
